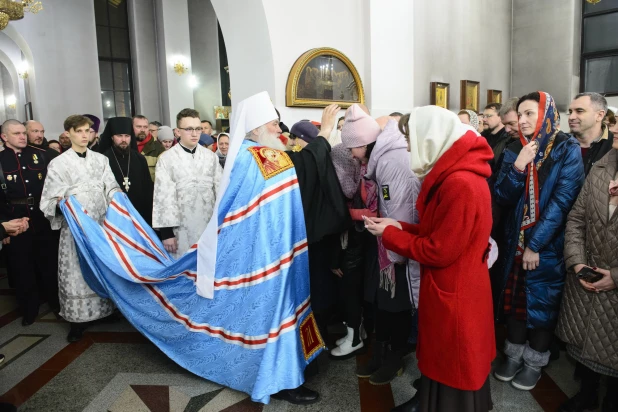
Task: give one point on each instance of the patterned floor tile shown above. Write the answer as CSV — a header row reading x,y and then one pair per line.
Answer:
x,y
18,346
129,401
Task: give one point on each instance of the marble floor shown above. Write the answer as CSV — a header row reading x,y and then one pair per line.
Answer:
x,y
114,368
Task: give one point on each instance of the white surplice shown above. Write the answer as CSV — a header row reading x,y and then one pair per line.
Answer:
x,y
184,194
91,181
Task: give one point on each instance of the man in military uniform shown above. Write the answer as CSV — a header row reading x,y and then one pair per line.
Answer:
x,y
36,138
34,252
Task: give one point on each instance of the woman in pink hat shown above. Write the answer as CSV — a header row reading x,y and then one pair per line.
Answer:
x,y
359,252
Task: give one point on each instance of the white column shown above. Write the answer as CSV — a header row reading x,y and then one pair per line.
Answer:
x,y
172,26
144,58
390,58
205,57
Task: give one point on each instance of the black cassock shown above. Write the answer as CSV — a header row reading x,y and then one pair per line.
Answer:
x,y
326,217
141,186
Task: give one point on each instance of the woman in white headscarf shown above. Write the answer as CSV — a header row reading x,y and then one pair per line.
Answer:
x,y
456,342
223,144
470,118
166,137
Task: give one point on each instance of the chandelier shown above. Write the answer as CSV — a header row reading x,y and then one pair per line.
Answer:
x,y
14,10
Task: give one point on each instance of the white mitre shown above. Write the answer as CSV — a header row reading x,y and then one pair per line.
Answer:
x,y
249,114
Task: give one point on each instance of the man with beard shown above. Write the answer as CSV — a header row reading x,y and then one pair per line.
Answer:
x,y
496,135
186,185
150,147
36,138
94,132
258,187
130,168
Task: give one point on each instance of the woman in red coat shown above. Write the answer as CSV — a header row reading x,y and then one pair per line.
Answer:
x,y
456,342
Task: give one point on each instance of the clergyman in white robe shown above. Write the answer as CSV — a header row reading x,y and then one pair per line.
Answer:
x,y
185,190
91,181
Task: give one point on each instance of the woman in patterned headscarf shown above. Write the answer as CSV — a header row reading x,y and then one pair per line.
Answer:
x,y
469,117
540,179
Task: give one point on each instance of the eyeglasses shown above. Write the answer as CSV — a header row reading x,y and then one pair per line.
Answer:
x,y
191,129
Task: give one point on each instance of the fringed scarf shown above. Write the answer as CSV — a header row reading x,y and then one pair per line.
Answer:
x,y
547,127
369,193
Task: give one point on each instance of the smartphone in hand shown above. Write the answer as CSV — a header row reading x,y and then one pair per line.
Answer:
x,y
589,275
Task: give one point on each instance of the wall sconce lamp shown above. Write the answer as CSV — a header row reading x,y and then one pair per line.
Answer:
x,y
22,70
180,68
11,101
180,64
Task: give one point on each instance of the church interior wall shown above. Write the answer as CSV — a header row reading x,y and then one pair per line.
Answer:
x,y
6,89
324,23
10,58
64,71
462,40
516,46
546,48
205,64
248,45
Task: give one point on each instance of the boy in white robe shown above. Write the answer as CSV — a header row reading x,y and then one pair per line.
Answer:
x,y
86,175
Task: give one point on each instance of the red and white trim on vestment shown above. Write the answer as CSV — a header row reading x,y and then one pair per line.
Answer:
x,y
262,275
247,341
125,213
70,207
129,268
115,231
267,195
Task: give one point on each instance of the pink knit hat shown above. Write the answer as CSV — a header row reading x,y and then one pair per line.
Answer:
x,y
359,128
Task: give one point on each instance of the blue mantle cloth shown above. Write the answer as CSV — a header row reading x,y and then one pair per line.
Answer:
x,y
246,338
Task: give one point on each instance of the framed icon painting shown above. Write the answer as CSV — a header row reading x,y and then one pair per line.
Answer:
x,y
321,77
470,95
439,94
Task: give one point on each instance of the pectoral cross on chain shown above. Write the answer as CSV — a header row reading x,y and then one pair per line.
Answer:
x,y
126,184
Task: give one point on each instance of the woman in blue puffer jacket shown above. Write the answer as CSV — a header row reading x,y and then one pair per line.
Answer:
x,y
539,181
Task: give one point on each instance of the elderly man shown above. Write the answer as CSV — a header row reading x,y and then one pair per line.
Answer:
x,y
586,114
130,168
33,255
147,145
258,168
36,138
